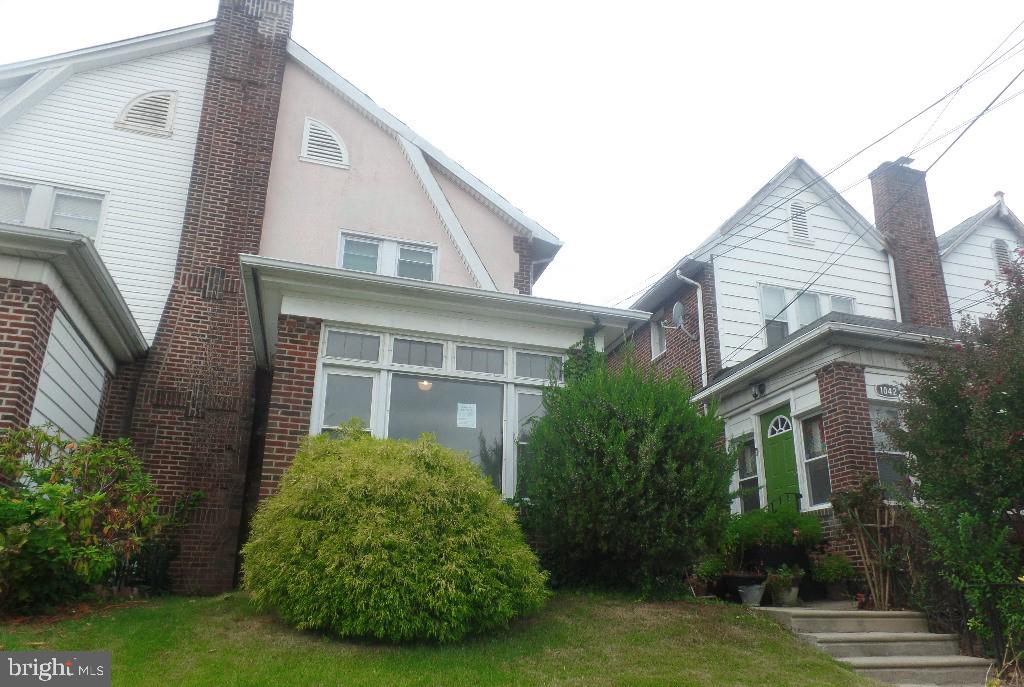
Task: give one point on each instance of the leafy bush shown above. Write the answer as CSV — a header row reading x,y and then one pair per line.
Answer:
x,y
627,481
753,539
710,568
964,434
69,513
833,568
388,539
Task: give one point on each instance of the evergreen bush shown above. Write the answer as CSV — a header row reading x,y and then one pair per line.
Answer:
x,y
392,540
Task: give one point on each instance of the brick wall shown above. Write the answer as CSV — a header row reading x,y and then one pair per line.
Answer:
x,y
26,315
291,396
522,280
192,415
114,419
903,215
681,352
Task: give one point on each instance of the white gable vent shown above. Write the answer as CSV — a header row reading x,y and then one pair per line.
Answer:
x,y
322,145
1001,252
798,228
150,113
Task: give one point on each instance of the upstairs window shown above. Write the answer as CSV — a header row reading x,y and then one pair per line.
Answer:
x,y
390,257
1001,253
150,113
799,230
415,263
322,145
789,310
773,308
808,308
76,212
13,203
658,340
360,254
843,304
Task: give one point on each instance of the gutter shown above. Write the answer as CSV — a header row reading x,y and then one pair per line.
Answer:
x,y
700,325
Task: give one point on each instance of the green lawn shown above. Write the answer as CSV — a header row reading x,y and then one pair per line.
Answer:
x,y
579,639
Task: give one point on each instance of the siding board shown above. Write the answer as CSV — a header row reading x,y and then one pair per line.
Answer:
x,y
967,267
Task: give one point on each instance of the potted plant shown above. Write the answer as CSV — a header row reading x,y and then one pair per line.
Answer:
x,y
834,570
706,574
784,584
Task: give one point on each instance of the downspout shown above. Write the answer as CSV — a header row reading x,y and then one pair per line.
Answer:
x,y
895,287
700,325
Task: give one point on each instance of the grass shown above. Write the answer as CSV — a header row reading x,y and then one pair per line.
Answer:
x,y
578,639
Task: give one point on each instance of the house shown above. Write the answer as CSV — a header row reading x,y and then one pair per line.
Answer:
x,y
797,315
212,243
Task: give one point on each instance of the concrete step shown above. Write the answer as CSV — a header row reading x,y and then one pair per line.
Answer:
x,y
946,671
812,620
847,644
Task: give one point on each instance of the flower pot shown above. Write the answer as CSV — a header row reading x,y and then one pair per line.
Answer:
x,y
751,594
788,597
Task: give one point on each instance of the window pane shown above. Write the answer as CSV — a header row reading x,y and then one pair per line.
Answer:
x,y
465,416
416,264
748,460
424,353
773,301
473,359
13,203
842,304
890,473
657,339
880,414
354,346
776,331
750,495
818,481
814,437
808,308
76,213
347,397
537,366
360,255
531,407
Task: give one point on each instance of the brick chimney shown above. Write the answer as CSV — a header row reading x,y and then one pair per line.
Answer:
x,y
193,408
903,215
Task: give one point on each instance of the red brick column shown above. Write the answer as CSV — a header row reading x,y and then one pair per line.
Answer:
x,y
291,396
115,414
26,315
522,280
193,413
851,450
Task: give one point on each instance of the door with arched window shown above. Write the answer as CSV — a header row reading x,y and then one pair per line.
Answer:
x,y
780,476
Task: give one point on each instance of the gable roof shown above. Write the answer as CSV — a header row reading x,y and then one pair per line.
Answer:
x,y
811,180
32,80
998,210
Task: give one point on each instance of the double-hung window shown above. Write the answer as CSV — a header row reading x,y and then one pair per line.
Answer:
x,y
789,310
891,462
14,203
749,489
816,461
387,256
44,205
658,340
776,319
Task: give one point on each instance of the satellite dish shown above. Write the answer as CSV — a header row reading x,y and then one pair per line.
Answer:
x,y
677,314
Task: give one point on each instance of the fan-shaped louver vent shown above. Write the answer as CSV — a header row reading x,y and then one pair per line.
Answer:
x,y
150,113
320,144
798,221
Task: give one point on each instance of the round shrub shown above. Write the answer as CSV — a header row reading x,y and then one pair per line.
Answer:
x,y
626,481
393,540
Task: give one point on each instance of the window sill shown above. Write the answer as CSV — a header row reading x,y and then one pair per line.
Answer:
x,y
659,356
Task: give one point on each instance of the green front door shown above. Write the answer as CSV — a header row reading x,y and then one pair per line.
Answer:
x,y
779,456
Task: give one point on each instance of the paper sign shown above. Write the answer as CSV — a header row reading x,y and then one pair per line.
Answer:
x,y
466,416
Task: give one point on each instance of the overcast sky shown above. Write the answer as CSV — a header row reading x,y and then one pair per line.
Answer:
x,y
633,130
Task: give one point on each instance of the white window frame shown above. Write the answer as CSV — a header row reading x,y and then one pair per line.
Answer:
x,y
504,366
874,403
42,195
801,454
511,471
758,475
320,394
383,369
388,252
423,248
659,338
792,315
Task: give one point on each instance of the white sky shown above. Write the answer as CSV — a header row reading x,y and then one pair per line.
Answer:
x,y
633,130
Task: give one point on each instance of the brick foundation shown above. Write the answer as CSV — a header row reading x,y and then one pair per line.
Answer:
x,y
26,315
291,396
192,415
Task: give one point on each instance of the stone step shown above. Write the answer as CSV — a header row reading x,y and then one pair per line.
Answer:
x,y
946,671
847,644
812,620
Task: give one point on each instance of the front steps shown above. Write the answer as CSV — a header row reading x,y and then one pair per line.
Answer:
x,y
894,647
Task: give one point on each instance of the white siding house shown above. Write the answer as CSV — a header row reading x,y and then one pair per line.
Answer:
x,y
971,255
75,138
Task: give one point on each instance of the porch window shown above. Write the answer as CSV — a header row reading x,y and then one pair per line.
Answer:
x,y
421,353
353,346
891,463
535,366
475,359
530,408
346,396
816,461
750,492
